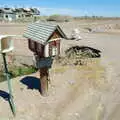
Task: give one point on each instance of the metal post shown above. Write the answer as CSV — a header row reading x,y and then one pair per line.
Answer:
x,y
9,85
44,81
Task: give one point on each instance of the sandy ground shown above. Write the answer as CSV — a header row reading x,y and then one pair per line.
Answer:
x,y
72,98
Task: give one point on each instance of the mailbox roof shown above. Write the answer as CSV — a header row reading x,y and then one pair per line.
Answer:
x,y
42,31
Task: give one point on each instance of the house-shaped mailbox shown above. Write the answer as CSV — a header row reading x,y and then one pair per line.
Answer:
x,y
44,39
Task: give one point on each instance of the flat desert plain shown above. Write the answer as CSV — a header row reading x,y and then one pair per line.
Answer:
x,y
73,93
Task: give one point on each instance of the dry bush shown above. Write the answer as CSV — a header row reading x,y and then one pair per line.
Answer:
x,y
59,18
79,55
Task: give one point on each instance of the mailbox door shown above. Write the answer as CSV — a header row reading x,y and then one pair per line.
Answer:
x,y
54,48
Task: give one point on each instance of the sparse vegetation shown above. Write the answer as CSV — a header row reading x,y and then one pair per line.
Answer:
x,y
15,71
95,18
18,71
59,18
93,73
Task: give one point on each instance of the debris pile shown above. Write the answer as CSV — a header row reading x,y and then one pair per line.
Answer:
x,y
82,52
79,55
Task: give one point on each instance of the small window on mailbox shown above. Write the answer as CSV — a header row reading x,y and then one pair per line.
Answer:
x,y
53,50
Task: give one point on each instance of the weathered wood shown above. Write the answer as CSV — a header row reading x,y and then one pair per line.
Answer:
x,y
31,45
44,81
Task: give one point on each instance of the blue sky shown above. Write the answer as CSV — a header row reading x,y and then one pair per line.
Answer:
x,y
70,7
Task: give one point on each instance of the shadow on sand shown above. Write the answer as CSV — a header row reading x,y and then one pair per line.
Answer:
x,y
32,83
6,97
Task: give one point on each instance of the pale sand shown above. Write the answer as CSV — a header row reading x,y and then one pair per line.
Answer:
x,y
64,102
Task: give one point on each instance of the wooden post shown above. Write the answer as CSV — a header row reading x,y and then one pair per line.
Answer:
x,y
44,81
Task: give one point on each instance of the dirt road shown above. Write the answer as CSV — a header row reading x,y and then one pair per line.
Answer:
x,y
109,46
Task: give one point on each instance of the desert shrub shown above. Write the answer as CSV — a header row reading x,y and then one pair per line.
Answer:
x,y
117,26
89,29
59,18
